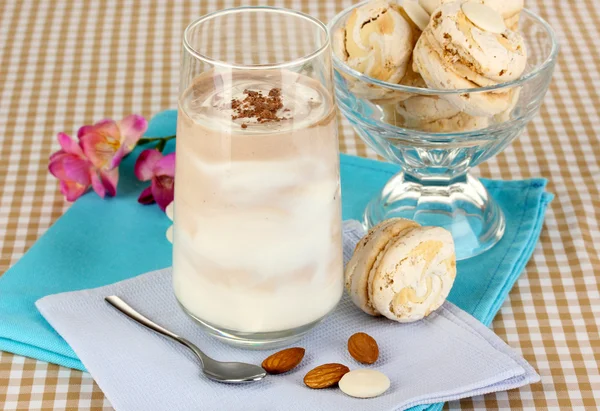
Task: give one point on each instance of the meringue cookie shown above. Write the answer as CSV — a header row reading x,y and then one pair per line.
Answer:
x,y
357,87
453,53
503,117
402,270
364,257
411,79
379,41
413,275
455,124
510,10
432,114
426,108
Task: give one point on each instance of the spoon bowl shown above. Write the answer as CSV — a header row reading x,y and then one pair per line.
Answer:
x,y
236,372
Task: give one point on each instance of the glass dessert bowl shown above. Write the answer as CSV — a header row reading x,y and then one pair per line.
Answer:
x,y
437,135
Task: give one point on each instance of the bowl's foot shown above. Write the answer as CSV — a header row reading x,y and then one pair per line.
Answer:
x,y
464,208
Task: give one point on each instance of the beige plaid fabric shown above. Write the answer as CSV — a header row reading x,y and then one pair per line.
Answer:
x,y
68,63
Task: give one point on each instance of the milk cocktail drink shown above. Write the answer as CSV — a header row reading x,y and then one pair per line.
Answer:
x,y
257,239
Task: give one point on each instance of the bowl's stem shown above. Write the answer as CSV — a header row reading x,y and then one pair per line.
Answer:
x,y
461,205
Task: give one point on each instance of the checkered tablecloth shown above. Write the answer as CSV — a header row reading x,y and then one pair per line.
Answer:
x,y
68,63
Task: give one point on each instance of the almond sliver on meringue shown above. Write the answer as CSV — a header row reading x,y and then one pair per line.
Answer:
x,y
416,13
484,17
508,9
430,5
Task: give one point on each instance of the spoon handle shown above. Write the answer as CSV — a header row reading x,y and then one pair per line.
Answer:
x,y
136,316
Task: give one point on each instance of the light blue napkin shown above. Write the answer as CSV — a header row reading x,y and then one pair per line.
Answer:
x,y
98,242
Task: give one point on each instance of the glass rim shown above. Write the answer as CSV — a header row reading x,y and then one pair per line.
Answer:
x,y
267,9
547,64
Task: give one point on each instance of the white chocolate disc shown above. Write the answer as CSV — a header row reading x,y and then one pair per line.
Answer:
x,y
169,210
416,13
484,17
364,383
170,234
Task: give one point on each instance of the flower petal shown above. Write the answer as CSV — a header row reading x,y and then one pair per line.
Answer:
x,y
166,166
84,130
163,189
69,145
107,127
144,165
116,160
100,149
110,180
72,190
69,167
53,156
132,129
146,196
97,185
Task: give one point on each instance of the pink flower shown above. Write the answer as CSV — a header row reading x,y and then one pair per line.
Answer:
x,y
107,142
152,165
76,173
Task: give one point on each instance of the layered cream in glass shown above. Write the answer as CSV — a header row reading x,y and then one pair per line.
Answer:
x,y
257,239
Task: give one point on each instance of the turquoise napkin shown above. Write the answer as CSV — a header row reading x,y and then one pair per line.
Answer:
x,y
98,242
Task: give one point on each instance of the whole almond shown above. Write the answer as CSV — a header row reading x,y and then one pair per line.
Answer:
x,y
363,348
325,375
283,361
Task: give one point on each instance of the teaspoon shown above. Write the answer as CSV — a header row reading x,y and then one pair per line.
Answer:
x,y
229,372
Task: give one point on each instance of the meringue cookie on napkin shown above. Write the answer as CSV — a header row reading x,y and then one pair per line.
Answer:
x,y
401,270
364,257
414,274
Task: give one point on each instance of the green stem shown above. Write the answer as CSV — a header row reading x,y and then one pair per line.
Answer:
x,y
148,140
161,145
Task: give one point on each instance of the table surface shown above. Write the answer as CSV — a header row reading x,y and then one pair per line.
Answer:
x,y
68,63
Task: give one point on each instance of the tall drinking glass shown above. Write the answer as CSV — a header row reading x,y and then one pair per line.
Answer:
x,y
257,255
